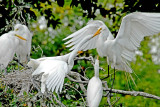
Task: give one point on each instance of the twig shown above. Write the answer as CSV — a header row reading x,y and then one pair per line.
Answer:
x,y
133,93
116,101
71,79
90,58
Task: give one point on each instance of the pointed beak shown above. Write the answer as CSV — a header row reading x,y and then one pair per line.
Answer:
x,y
20,37
98,32
79,52
98,57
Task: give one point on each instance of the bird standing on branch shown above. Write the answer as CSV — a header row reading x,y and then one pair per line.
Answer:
x,y
121,50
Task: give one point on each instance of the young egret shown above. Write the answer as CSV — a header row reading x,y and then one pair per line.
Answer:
x,y
121,50
95,89
9,43
24,48
55,69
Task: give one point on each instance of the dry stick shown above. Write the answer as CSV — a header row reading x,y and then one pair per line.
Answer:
x,y
133,93
90,58
71,79
77,76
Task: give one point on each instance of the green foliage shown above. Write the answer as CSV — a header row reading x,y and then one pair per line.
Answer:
x,y
46,43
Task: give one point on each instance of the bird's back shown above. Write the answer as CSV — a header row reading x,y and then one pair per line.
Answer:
x,y
8,44
23,50
94,92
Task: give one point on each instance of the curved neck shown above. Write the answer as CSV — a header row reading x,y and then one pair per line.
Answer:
x,y
96,73
96,68
100,46
73,54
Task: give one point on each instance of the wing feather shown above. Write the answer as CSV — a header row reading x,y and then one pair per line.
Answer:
x,y
55,71
88,30
133,29
56,78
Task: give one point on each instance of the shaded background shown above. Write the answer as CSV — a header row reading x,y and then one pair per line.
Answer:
x,y
52,20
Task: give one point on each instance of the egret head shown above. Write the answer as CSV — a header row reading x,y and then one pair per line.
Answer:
x,y
18,27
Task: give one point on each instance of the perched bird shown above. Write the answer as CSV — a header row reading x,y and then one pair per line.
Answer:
x,y
55,69
121,50
9,43
94,88
24,48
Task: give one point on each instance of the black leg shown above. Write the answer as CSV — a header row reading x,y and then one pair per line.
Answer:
x,y
112,84
107,75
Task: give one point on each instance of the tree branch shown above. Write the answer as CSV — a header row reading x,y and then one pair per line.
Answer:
x,y
133,93
90,58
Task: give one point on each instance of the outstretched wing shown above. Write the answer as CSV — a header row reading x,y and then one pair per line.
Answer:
x,y
133,29
54,72
55,79
89,29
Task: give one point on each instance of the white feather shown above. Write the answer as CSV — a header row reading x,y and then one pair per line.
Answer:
x,y
121,50
24,48
8,45
94,88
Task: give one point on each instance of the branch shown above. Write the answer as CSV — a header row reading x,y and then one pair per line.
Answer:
x,y
133,93
90,58
71,79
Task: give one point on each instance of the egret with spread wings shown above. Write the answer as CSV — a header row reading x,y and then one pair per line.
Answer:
x,y
55,69
121,50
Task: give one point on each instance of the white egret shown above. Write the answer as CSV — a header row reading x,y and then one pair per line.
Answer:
x,y
121,50
54,69
8,45
94,88
23,50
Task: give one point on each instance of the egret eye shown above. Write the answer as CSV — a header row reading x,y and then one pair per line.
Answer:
x,y
17,29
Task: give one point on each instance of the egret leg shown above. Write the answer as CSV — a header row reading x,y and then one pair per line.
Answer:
x,y
107,75
112,84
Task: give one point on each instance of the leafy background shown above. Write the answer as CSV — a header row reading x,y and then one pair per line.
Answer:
x,y
51,21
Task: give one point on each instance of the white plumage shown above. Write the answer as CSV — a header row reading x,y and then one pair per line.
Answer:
x,y
95,89
121,50
24,48
8,45
54,69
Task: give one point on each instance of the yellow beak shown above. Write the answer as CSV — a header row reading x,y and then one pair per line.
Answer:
x,y
98,32
79,52
20,37
98,57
